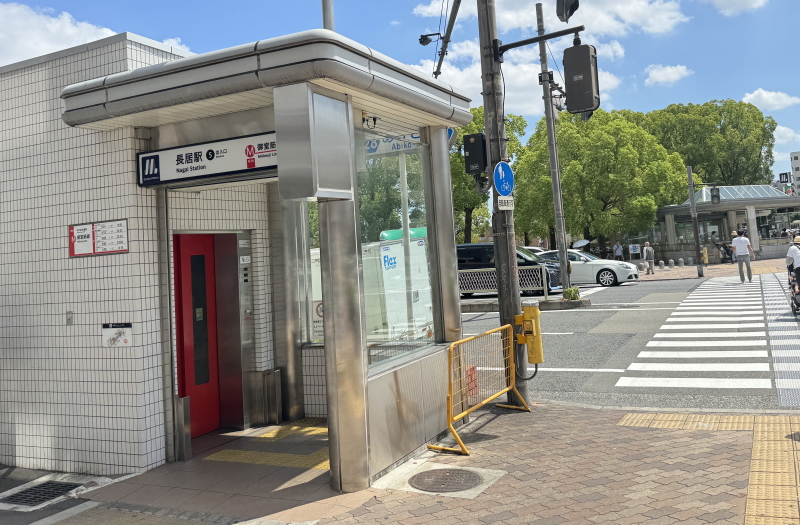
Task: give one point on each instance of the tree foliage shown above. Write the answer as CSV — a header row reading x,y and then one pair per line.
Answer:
x,y
466,200
614,177
725,141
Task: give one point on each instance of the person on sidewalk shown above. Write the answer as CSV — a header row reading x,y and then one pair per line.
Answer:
x,y
649,259
793,259
733,248
618,252
744,251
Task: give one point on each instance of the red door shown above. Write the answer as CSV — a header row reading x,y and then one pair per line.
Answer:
x,y
196,313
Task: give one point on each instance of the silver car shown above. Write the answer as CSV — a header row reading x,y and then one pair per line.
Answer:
x,y
588,269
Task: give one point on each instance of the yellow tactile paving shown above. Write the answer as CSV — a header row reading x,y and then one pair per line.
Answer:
x,y
667,424
773,427
635,419
705,418
759,465
308,426
772,508
783,493
772,454
700,425
315,460
760,420
738,419
671,417
784,447
760,520
735,426
773,478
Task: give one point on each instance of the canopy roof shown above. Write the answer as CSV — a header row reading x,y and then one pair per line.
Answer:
x,y
729,193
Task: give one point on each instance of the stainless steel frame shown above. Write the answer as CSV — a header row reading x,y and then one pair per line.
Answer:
x,y
172,426
441,235
296,269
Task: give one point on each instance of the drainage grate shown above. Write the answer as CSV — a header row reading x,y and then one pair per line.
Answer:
x,y
445,480
41,493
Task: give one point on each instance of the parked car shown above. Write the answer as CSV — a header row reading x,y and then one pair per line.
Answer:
x,y
477,256
535,249
589,269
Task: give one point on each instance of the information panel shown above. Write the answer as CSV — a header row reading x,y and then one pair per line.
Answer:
x,y
99,238
212,159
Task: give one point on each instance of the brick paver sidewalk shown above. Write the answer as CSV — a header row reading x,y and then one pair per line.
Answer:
x,y
713,270
585,466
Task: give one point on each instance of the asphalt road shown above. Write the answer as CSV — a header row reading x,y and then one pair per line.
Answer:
x,y
695,343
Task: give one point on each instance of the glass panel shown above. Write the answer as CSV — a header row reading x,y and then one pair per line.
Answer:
x,y
199,319
394,244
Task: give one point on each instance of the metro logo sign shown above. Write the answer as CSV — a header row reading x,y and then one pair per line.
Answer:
x,y
194,161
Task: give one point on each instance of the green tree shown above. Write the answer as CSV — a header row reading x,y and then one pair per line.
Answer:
x,y
724,141
614,177
465,198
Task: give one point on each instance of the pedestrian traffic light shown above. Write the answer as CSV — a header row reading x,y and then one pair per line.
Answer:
x,y
580,79
475,153
565,9
714,195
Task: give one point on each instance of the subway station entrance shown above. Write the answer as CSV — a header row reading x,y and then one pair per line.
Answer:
x,y
304,225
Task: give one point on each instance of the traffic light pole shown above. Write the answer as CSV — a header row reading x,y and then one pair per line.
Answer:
x,y
505,245
693,208
555,169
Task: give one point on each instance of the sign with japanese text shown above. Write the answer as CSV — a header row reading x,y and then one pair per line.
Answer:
x,y
212,159
505,203
117,334
99,238
383,146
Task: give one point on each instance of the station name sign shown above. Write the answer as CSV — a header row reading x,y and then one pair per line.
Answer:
x,y
211,159
99,238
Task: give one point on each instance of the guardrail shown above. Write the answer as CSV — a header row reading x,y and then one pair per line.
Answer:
x,y
484,280
480,368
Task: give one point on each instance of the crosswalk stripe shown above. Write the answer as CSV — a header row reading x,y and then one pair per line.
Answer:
x,y
701,367
786,367
714,312
735,342
716,326
720,303
726,308
714,334
724,294
718,319
699,354
694,382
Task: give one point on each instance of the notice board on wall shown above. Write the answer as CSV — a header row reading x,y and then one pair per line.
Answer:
x,y
100,238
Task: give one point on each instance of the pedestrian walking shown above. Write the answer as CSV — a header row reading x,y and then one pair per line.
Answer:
x,y
649,259
744,251
793,261
618,252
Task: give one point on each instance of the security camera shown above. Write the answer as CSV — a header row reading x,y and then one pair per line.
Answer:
x,y
425,40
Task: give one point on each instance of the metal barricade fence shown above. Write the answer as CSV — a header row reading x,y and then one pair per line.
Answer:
x,y
481,368
484,280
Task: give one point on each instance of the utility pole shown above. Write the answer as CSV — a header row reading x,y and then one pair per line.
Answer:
x,y
555,169
327,15
693,208
505,244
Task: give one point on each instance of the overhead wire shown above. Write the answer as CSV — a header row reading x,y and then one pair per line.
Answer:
x,y
555,62
442,15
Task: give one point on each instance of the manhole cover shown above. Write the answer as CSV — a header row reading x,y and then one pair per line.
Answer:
x,y
445,480
41,493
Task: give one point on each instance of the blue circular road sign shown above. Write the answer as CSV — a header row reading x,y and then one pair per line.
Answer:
x,y
503,179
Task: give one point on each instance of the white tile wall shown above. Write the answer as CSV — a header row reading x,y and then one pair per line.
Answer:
x,y
66,402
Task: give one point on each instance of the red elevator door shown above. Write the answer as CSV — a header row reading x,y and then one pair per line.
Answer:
x,y
198,368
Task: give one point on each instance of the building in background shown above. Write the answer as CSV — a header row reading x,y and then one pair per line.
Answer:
x,y
795,179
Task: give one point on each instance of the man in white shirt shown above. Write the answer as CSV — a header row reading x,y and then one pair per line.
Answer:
x,y
618,254
744,251
793,257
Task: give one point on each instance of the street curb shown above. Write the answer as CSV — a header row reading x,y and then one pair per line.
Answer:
x,y
664,409
563,304
543,305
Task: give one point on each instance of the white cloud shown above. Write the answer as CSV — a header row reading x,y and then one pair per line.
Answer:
x,y
610,50
27,33
784,135
665,75
176,43
734,7
605,17
770,100
395,23
608,81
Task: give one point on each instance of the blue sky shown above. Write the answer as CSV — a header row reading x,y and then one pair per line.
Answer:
x,y
652,52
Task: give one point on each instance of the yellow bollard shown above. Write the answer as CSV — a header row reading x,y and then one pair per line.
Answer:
x,y
531,333
705,255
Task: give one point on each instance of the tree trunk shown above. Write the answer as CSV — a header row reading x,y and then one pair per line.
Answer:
x,y
601,243
468,225
552,239
527,239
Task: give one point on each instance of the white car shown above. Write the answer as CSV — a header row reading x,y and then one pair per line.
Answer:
x,y
588,269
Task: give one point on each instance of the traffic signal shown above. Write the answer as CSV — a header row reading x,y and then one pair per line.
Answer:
x,y
714,195
580,79
565,9
475,153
